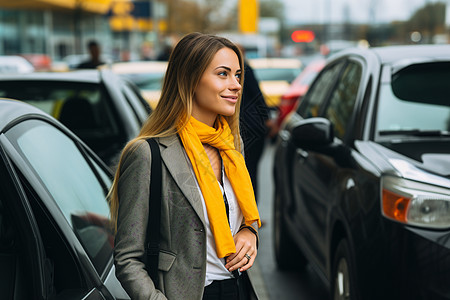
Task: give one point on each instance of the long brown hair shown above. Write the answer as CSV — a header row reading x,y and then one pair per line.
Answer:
x,y
187,63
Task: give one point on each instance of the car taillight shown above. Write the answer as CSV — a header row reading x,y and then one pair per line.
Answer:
x,y
415,203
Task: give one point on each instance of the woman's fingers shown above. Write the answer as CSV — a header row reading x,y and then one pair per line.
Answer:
x,y
249,264
240,261
245,245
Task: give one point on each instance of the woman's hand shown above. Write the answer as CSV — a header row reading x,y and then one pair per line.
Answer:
x,y
245,241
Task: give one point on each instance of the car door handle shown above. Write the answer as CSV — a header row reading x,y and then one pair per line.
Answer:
x,y
303,154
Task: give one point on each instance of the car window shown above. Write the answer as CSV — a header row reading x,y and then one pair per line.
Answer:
x,y
84,108
399,115
319,91
343,98
425,107
79,188
25,246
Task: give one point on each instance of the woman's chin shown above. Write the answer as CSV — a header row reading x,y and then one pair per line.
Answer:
x,y
228,112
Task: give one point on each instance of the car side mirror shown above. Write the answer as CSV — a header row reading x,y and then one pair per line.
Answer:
x,y
312,132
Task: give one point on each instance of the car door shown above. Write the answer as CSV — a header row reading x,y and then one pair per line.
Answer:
x,y
65,186
314,172
23,272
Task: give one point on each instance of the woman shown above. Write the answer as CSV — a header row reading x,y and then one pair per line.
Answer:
x,y
209,217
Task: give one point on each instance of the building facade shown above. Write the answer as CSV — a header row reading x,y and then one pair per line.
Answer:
x,y
60,28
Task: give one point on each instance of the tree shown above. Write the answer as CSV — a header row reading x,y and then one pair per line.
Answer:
x,y
188,15
271,8
429,20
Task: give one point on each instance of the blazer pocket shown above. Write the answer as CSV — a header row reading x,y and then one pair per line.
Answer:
x,y
166,260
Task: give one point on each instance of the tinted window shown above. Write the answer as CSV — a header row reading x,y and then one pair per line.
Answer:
x,y
85,108
79,192
64,100
343,98
423,83
319,91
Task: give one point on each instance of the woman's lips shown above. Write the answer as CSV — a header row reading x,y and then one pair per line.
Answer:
x,y
232,99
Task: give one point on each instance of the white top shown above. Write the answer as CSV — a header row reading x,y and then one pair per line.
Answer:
x,y
215,267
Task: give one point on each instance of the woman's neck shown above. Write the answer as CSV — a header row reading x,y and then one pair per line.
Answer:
x,y
215,160
209,120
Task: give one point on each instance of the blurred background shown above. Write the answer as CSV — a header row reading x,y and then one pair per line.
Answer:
x,y
286,43
54,33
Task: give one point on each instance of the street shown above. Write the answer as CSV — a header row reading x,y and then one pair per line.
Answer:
x,y
272,283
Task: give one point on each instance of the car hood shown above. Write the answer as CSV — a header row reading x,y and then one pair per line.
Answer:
x,y
434,167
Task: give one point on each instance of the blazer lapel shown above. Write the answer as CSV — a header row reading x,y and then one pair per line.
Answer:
x,y
176,162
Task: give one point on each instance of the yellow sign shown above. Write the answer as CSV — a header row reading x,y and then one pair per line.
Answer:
x,y
248,16
122,8
123,19
94,6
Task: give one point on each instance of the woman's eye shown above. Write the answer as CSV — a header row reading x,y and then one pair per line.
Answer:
x,y
238,76
223,73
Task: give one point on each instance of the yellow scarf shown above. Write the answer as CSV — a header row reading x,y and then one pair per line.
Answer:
x,y
192,136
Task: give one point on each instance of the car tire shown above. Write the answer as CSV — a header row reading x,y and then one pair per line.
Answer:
x,y
287,254
343,277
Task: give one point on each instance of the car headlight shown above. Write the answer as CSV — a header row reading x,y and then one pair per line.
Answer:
x,y
415,203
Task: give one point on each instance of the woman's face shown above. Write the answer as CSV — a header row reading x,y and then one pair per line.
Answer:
x,y
219,88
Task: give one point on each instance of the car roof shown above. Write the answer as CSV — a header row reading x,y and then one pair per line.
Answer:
x,y
395,54
90,76
14,64
135,67
11,109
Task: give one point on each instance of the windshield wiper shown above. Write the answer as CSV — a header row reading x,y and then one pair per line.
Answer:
x,y
415,132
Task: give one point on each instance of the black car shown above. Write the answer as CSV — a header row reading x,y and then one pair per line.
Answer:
x,y
55,237
104,110
362,175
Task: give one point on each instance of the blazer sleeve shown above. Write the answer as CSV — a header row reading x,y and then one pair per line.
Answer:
x,y
129,250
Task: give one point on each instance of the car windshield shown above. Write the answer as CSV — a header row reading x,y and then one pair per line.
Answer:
x,y
410,113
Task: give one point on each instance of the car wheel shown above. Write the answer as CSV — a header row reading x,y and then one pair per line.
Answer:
x,y
343,277
287,254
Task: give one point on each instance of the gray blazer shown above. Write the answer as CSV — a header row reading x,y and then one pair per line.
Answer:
x,y
182,259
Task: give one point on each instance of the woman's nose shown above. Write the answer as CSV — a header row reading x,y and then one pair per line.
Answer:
x,y
235,84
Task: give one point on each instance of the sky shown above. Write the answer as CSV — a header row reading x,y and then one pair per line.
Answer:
x,y
355,11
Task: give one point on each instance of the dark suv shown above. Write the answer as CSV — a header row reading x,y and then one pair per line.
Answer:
x,y
362,175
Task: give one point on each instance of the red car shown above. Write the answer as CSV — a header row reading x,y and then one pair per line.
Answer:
x,y
298,88
40,62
